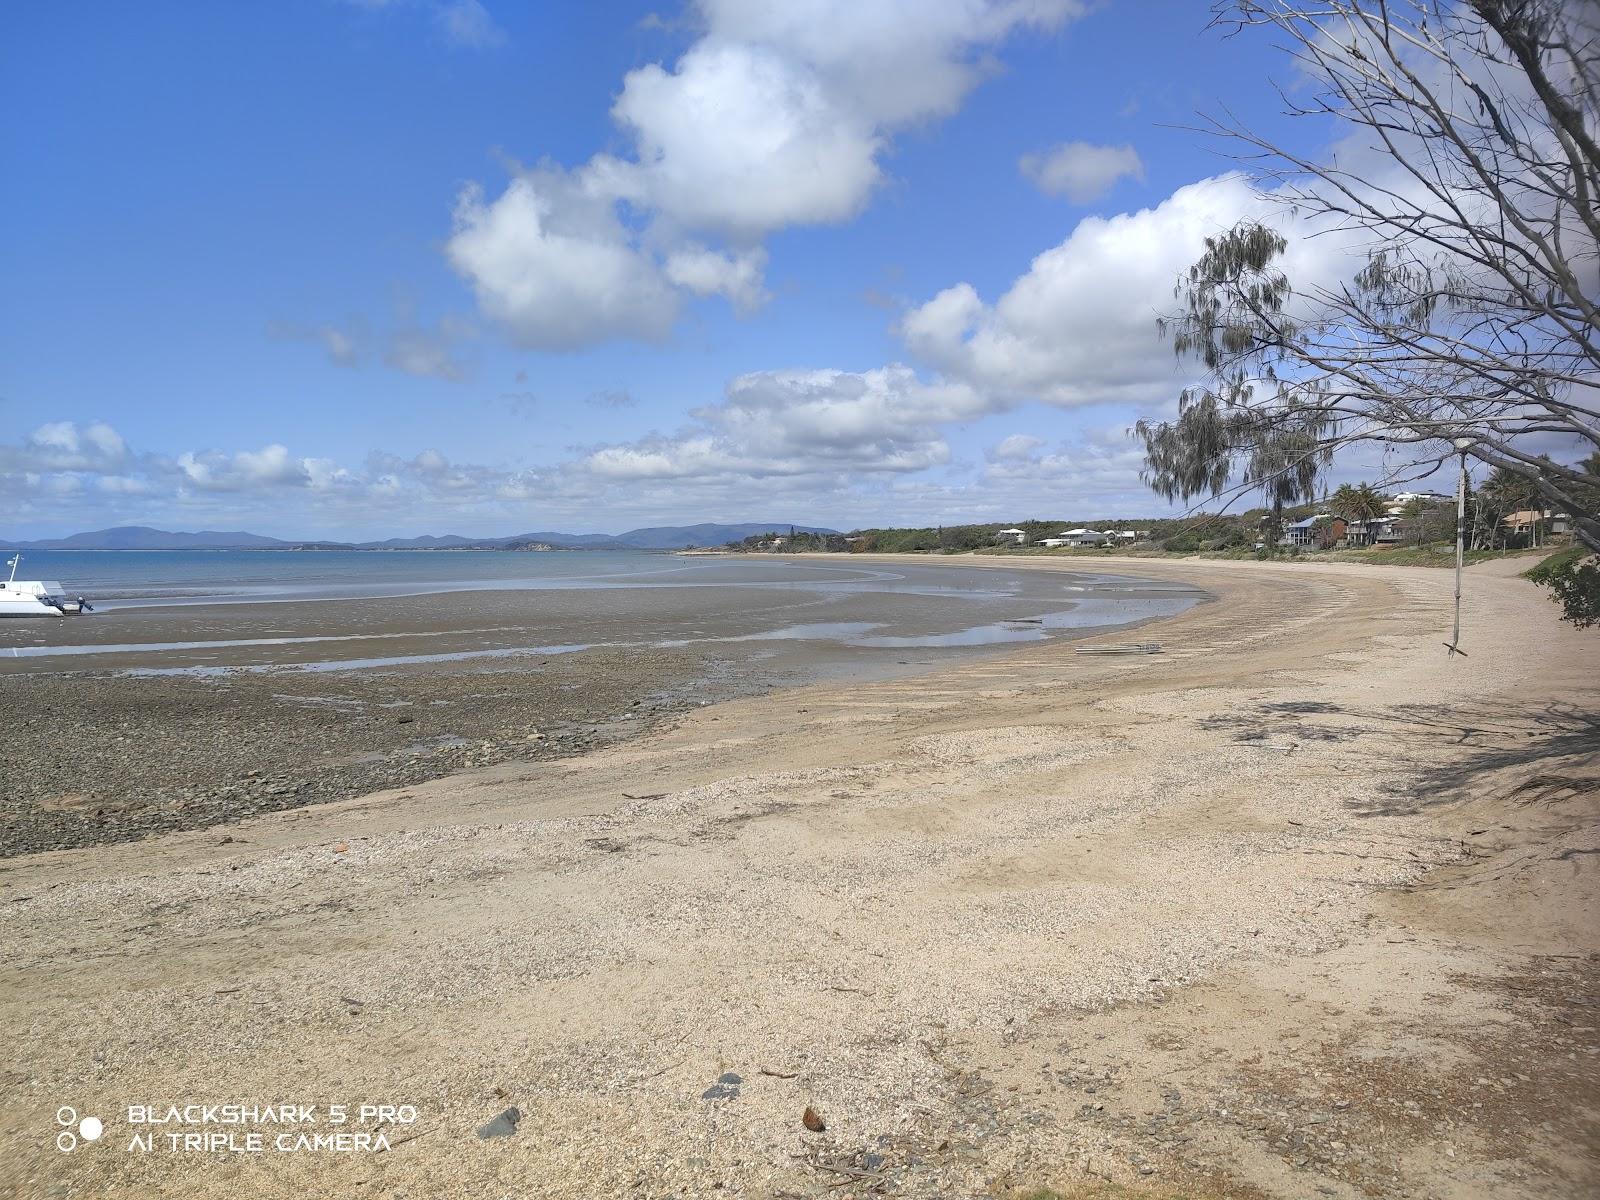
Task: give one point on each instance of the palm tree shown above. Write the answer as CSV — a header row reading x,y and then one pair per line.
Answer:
x,y
1344,504
1506,492
1413,512
1358,504
1371,502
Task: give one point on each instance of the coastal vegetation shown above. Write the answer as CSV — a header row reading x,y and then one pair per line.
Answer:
x,y
1573,578
1471,328
1423,533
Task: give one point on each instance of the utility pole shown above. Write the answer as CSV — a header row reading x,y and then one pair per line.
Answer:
x,y
1462,446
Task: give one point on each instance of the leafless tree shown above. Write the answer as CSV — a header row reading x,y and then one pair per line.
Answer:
x,y
1467,187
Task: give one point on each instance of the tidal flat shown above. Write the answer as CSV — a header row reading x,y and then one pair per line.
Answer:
x,y
203,704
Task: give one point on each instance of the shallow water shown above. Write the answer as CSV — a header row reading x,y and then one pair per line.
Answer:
x,y
206,613
847,633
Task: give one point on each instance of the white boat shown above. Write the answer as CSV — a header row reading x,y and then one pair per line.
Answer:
x,y
35,597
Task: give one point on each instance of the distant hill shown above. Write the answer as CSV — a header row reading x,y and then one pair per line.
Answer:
x,y
655,537
142,537
660,537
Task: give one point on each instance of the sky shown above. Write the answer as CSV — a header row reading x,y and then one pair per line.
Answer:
x,y
361,268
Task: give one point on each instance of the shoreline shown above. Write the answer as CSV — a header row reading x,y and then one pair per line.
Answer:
x,y
1025,921
121,731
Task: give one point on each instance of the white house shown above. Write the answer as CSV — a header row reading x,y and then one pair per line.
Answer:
x,y
1081,537
1016,537
1399,500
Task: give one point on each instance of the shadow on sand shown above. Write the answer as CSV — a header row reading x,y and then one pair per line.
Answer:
x,y
1448,750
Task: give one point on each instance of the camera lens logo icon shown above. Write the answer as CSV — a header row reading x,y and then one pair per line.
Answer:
x,y
89,1129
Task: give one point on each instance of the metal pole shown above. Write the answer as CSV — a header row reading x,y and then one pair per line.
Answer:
x,y
1461,547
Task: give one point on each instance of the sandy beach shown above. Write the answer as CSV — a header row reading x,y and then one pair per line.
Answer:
x,y
1301,906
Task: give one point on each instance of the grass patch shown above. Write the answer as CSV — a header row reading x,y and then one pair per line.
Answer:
x,y
1386,556
1556,563
1573,577
1411,556
1441,555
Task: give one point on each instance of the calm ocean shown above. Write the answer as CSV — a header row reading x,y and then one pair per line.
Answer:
x,y
188,576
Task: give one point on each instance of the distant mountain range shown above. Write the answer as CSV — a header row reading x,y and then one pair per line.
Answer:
x,y
660,537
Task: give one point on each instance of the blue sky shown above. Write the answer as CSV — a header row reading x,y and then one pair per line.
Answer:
x,y
334,268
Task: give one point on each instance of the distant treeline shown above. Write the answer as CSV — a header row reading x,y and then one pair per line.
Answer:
x,y
1201,532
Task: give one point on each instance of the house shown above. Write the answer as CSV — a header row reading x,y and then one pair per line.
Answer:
x,y
1052,543
1321,530
1017,537
1356,533
1536,524
1524,520
1081,537
1397,503
1300,533
1386,531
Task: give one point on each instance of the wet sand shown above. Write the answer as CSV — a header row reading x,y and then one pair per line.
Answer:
x,y
138,719
713,601
1300,908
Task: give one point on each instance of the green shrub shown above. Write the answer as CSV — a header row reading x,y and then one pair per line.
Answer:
x,y
1574,584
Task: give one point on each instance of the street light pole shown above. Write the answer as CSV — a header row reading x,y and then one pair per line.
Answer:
x,y
1462,446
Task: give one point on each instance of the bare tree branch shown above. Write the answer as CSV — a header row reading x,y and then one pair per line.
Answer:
x,y
1475,317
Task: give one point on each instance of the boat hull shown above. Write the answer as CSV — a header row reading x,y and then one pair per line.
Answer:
x,y
27,606
30,598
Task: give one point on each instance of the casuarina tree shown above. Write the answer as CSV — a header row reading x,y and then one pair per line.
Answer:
x,y
1463,194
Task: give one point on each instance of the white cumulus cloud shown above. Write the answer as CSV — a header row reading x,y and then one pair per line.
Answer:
x,y
804,422
216,471
777,116
1018,446
551,262
1081,171
741,140
707,272
1079,326
67,446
